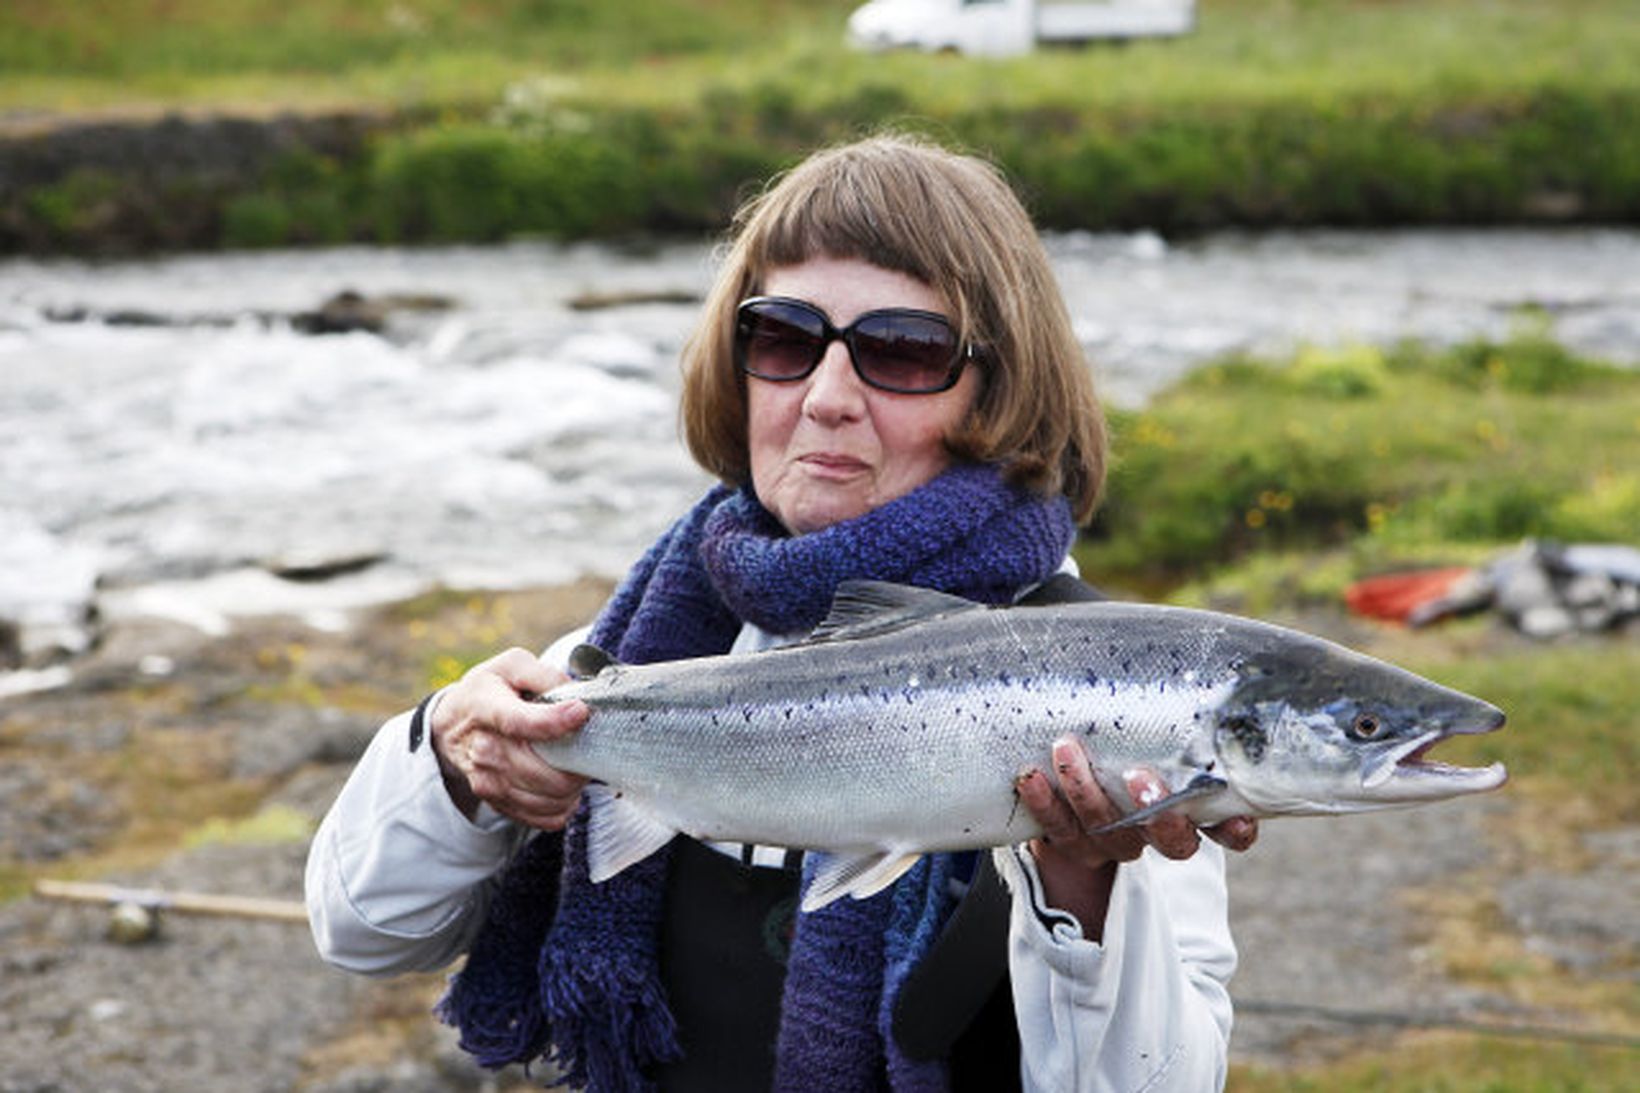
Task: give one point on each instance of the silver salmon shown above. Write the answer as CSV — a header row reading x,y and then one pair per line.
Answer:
x,y
899,728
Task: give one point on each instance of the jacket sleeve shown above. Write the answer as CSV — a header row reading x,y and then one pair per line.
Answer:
x,y
397,878
1149,1008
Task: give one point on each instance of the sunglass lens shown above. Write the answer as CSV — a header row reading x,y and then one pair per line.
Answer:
x,y
779,341
906,352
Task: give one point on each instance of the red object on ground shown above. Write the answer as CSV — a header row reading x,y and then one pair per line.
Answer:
x,y
1394,596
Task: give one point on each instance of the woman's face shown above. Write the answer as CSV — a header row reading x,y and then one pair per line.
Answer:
x,y
828,447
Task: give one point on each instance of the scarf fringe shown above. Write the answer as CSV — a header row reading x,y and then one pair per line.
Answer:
x,y
610,1021
494,999
496,1034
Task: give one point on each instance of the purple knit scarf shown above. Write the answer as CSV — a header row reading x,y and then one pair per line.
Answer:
x,y
582,987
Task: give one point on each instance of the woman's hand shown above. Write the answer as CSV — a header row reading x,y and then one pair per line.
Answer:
x,y
482,729
1078,867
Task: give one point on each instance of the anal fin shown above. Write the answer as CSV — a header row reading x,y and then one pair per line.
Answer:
x,y
859,874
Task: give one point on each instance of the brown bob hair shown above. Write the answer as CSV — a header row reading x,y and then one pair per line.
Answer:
x,y
951,221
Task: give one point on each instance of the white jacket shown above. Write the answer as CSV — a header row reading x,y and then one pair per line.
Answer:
x,y
398,879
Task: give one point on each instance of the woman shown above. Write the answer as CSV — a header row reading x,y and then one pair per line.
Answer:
x,y
886,383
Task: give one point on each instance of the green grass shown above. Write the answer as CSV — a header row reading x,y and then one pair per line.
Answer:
x,y
1574,720
449,51
1449,1063
1573,735
270,825
1410,454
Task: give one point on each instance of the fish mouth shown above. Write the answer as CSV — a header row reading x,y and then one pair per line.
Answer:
x,y
1405,772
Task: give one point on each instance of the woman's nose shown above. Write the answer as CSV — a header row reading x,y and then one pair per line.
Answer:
x,y
835,390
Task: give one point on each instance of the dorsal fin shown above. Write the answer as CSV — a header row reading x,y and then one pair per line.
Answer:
x,y
869,608
586,661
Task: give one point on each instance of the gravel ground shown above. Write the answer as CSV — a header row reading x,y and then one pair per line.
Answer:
x,y
1325,911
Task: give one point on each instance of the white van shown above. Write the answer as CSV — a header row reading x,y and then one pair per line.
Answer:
x,y
1004,28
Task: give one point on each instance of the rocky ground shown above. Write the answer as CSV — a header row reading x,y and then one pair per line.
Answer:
x,y
183,763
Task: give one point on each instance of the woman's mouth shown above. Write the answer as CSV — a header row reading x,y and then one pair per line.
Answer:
x,y
833,464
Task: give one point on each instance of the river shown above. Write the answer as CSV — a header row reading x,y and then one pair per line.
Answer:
x,y
168,438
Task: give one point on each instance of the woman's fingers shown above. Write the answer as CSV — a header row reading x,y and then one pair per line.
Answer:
x,y
1171,833
524,672
1051,812
1081,789
1072,819
1236,833
483,731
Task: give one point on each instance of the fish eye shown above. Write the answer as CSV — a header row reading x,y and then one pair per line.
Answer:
x,y
1366,726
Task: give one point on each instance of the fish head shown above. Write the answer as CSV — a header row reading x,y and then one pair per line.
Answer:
x,y
1316,728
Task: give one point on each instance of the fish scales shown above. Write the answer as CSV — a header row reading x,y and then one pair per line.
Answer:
x,y
887,713
902,726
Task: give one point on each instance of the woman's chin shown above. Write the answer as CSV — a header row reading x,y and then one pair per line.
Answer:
x,y
821,510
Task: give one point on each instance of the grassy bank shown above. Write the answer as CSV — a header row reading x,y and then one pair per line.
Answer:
x,y
591,120
1398,454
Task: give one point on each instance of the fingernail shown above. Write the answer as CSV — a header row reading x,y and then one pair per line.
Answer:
x,y
1148,793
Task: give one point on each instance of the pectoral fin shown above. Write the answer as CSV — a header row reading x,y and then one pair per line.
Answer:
x,y
620,832
859,875
1203,785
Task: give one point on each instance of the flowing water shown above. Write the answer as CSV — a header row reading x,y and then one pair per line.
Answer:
x,y
168,438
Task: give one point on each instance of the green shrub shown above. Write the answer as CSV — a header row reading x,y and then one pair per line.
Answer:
x,y
77,206
1351,372
1417,452
256,220
476,182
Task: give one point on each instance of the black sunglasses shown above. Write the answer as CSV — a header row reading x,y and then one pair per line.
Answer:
x,y
897,349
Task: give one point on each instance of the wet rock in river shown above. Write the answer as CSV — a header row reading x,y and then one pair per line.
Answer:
x,y
322,565
349,311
